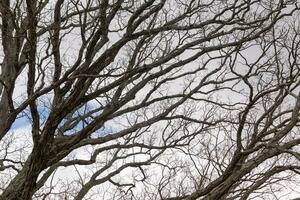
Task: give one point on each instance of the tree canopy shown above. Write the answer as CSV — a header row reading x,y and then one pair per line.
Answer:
x,y
149,99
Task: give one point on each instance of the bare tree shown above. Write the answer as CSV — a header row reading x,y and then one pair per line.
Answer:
x,y
149,99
